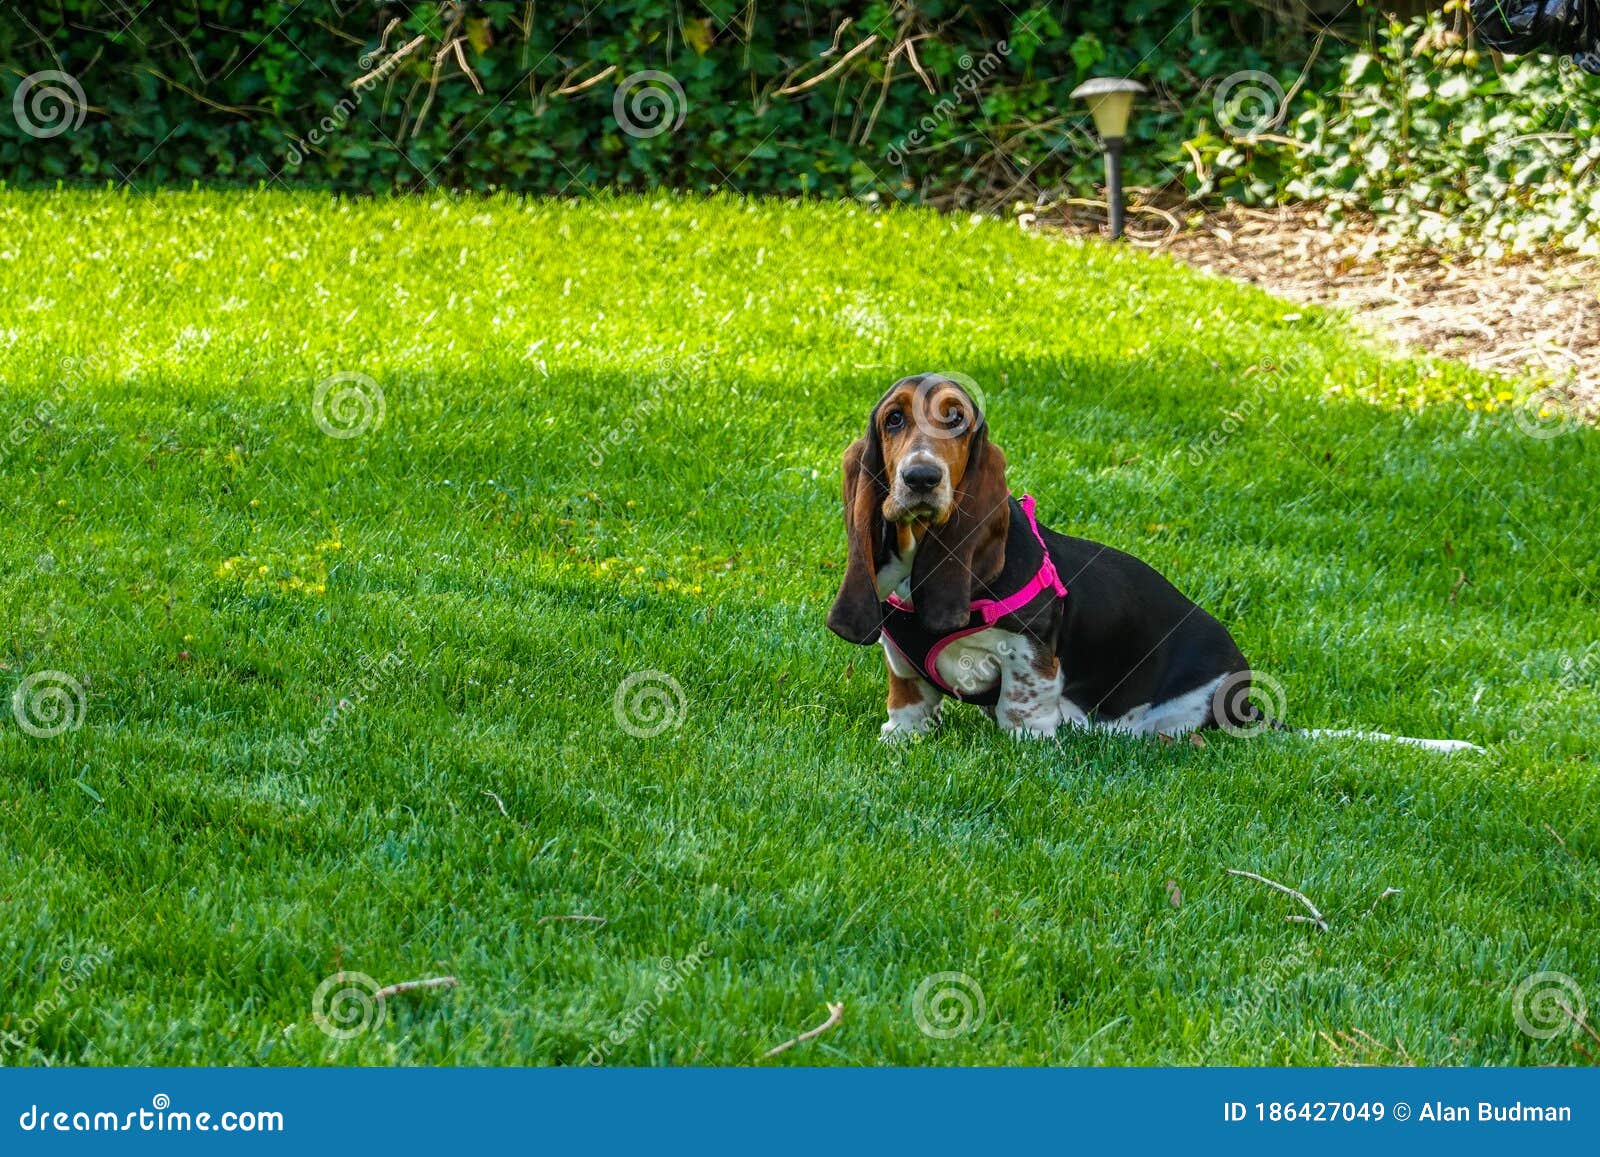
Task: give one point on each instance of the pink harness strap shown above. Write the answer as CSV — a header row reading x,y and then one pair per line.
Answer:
x,y
992,610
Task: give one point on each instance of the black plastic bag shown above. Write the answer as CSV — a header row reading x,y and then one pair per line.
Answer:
x,y
1562,27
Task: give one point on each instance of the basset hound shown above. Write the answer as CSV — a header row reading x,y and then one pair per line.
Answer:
x,y
972,598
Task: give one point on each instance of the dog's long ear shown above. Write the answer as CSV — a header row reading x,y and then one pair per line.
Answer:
x,y
970,545
855,616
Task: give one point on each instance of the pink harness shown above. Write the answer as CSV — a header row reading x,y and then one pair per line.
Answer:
x,y
986,611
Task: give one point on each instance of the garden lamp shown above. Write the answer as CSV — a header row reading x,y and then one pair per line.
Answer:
x,y
1110,101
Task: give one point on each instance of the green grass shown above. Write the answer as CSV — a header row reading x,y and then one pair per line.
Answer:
x,y
181,539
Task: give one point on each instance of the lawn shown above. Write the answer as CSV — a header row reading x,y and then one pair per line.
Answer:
x,y
301,702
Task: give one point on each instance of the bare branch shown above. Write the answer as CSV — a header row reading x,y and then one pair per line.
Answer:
x,y
569,89
461,59
832,70
1315,918
386,66
835,1015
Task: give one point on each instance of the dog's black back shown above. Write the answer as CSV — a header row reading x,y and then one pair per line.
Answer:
x,y
1130,637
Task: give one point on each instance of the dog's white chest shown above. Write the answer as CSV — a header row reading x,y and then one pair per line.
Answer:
x,y
974,663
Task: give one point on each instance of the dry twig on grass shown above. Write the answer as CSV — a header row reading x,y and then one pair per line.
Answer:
x,y
1362,1048
1576,1019
1384,895
415,986
835,1015
1315,917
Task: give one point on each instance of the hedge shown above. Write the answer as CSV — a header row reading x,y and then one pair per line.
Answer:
x,y
944,102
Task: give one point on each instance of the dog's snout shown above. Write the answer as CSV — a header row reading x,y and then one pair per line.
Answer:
x,y
922,477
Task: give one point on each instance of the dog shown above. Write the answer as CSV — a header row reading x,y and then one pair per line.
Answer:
x,y
972,599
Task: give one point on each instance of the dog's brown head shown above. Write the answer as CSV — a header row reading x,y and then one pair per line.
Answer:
x,y
925,464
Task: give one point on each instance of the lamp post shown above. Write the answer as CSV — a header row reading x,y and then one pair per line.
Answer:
x,y
1110,101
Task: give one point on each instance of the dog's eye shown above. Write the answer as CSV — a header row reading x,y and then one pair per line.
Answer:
x,y
954,421
893,420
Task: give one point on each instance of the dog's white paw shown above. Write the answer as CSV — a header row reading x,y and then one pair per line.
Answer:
x,y
1031,732
894,731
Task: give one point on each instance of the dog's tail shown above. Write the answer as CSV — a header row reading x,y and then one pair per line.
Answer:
x,y
1385,737
1248,702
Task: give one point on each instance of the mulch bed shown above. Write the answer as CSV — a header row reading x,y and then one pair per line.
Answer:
x,y
1536,317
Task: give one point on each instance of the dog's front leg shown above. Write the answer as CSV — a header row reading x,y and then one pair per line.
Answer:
x,y
913,701
1030,690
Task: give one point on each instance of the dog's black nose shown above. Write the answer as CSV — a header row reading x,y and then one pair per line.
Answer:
x,y
922,478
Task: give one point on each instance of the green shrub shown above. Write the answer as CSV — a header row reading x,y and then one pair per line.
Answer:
x,y
952,103
943,102
1439,141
